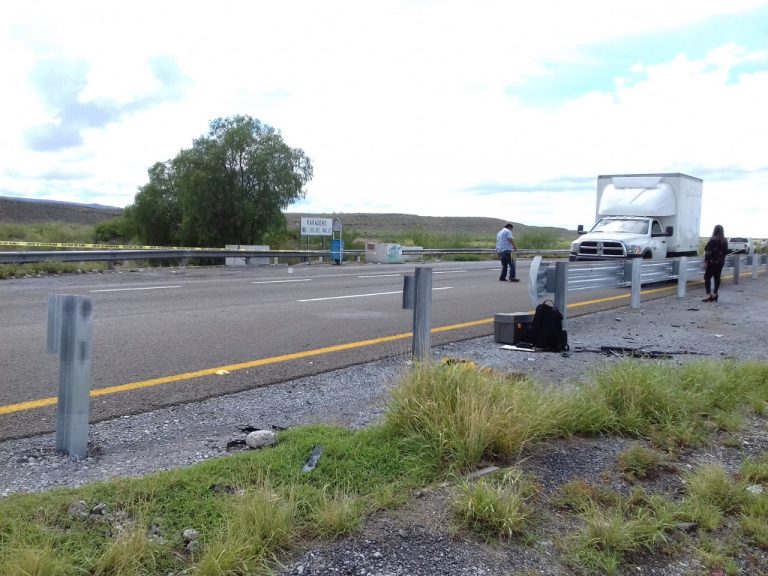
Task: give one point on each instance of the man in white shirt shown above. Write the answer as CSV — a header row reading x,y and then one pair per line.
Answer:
x,y
505,243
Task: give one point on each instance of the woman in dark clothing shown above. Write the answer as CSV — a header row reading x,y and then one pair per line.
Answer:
x,y
714,260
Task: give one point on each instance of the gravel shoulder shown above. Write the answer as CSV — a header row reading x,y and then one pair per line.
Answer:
x,y
418,539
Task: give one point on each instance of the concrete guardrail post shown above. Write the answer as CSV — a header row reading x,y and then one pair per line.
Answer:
x,y
69,335
755,265
682,275
422,313
736,268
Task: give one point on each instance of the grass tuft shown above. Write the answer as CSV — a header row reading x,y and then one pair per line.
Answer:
x,y
257,526
755,470
638,462
495,508
713,486
463,415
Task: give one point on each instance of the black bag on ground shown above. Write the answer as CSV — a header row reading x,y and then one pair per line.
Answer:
x,y
547,328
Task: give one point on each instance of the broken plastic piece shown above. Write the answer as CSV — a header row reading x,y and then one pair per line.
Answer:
x,y
317,450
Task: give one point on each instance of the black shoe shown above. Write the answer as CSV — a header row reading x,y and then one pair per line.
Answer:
x,y
514,280
502,279
714,298
709,298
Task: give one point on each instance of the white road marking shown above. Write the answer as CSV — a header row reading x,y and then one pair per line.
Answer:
x,y
280,281
378,275
449,272
138,288
364,295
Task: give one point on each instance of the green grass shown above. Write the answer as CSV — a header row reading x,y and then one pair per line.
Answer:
x,y
755,470
424,238
443,419
542,240
495,507
638,462
529,240
51,267
48,232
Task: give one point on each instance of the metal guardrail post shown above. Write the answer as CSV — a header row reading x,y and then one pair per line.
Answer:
x,y
682,275
755,264
422,314
533,281
561,290
408,291
636,268
69,335
736,268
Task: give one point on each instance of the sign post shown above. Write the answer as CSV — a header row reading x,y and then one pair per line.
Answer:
x,y
337,243
316,227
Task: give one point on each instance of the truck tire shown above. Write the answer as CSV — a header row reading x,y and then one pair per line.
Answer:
x,y
647,255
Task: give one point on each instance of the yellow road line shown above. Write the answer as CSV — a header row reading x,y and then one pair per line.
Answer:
x,y
32,404
11,408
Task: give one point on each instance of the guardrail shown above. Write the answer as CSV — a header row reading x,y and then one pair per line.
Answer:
x,y
560,278
121,255
32,256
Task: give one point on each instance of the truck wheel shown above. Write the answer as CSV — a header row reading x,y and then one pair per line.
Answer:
x,y
647,255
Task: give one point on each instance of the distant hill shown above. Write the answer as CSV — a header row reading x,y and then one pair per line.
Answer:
x,y
367,225
371,224
33,211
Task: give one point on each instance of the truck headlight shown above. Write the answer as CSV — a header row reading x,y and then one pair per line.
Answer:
x,y
634,250
575,246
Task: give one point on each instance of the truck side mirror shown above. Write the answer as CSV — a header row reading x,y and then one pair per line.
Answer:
x,y
669,230
580,229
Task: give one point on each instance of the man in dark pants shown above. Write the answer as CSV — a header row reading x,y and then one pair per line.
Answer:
x,y
505,243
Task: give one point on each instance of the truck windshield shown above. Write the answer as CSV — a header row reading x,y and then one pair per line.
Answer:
x,y
630,226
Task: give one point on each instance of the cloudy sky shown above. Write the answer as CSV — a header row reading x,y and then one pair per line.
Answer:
x,y
439,108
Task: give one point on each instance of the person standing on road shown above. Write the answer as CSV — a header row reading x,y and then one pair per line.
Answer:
x,y
505,244
714,260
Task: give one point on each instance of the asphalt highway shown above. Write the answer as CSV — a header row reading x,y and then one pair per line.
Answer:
x,y
164,336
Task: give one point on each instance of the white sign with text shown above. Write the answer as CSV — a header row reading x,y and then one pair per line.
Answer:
x,y
317,226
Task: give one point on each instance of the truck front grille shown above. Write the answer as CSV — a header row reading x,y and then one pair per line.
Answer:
x,y
607,249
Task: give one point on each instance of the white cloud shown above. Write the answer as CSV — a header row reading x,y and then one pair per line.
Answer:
x,y
401,106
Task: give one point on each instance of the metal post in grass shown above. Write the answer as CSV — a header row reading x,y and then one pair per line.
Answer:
x,y
69,335
682,275
422,313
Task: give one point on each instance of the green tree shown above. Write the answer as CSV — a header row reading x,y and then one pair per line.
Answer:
x,y
154,217
114,230
231,187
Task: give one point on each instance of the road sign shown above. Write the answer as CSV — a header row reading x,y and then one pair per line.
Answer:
x,y
317,226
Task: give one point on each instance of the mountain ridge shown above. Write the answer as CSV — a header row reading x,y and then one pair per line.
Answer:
x,y
33,211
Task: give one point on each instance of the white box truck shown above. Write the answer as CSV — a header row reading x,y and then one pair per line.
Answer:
x,y
642,216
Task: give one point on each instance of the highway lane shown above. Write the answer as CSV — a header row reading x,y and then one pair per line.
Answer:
x,y
161,323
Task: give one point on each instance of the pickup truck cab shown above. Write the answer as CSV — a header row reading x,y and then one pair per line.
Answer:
x,y
622,237
741,245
